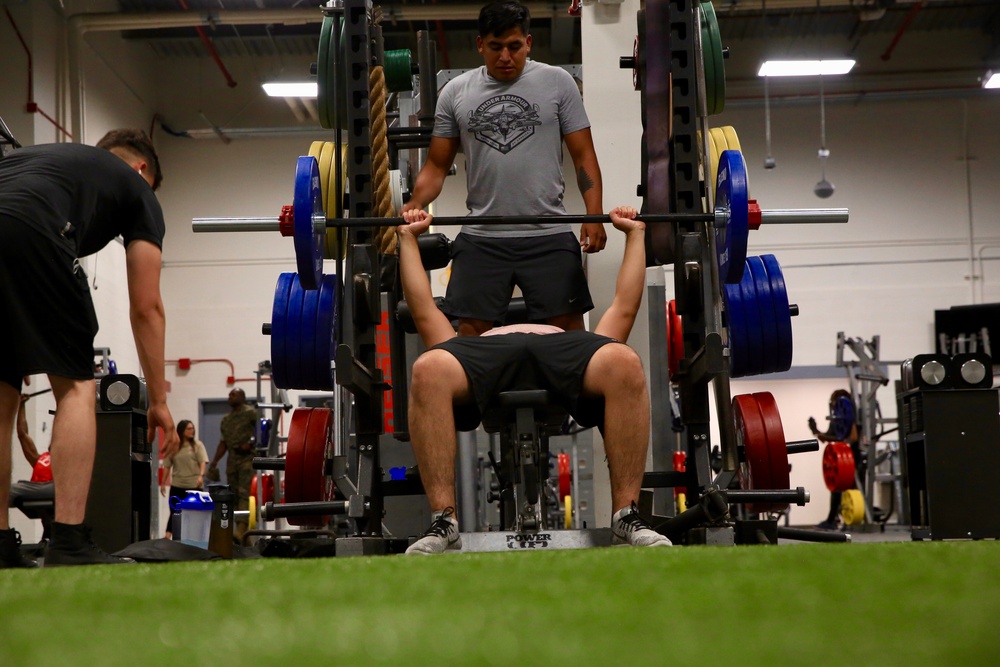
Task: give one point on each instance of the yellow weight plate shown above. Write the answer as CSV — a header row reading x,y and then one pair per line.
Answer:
x,y
315,148
253,512
325,161
713,168
852,507
568,504
336,239
681,502
731,139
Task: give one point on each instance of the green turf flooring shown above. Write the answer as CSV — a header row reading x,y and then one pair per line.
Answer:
x,y
902,603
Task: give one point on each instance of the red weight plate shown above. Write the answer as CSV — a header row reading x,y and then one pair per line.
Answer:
x,y
750,431
565,476
295,455
268,490
675,339
776,447
838,466
314,482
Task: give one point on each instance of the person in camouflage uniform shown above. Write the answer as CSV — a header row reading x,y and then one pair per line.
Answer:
x,y
238,428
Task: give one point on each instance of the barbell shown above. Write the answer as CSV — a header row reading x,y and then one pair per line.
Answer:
x,y
734,215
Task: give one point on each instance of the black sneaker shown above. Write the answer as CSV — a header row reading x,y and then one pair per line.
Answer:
x,y
10,551
627,527
72,545
440,537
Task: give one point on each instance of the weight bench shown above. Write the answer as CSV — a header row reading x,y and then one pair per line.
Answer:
x,y
36,500
524,421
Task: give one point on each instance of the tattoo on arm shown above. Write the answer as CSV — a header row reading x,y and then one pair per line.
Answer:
x,y
584,180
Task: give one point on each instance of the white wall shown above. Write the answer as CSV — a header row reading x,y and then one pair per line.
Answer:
x,y
899,166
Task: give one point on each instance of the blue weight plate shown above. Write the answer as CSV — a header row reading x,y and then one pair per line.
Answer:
x,y
731,194
279,330
293,342
326,332
768,326
842,419
307,337
737,325
782,316
755,337
308,201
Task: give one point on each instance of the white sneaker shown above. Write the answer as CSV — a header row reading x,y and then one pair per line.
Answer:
x,y
440,537
627,527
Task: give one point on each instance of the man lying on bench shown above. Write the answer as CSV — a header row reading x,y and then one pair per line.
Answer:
x,y
594,375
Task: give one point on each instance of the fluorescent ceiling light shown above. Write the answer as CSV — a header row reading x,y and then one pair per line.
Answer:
x,y
805,67
991,80
300,89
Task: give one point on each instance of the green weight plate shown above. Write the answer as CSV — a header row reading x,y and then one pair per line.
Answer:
x,y
398,71
330,75
715,68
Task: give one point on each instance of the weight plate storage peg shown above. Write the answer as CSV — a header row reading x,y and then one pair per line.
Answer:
x,y
731,194
308,240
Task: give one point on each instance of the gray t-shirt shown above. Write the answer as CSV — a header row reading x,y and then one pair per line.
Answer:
x,y
511,133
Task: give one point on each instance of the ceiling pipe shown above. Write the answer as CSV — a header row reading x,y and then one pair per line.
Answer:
x,y
81,24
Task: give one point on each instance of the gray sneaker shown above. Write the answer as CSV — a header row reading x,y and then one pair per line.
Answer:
x,y
627,527
440,537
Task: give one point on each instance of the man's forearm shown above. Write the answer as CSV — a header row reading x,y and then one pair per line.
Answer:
x,y
148,329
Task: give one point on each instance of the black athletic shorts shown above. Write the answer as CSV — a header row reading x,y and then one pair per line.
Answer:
x,y
510,362
49,321
484,271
